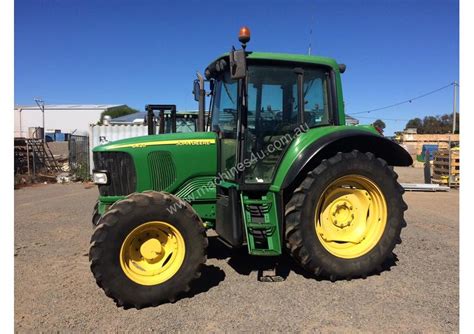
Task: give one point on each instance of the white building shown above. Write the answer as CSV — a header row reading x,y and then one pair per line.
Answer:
x,y
351,120
69,118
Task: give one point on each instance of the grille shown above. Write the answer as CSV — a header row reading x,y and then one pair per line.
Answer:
x,y
121,173
162,170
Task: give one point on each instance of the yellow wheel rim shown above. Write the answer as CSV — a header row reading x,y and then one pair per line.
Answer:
x,y
351,216
152,253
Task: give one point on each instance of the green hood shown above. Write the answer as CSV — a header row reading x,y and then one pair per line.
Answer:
x,y
188,139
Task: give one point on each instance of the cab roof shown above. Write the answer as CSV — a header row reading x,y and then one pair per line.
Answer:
x,y
294,58
288,57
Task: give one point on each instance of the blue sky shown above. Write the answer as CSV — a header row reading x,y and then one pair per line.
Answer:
x,y
137,52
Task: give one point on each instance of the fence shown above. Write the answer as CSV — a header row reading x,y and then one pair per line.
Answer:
x,y
79,162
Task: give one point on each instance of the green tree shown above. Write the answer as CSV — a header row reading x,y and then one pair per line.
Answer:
x,y
416,123
379,124
431,124
446,123
115,112
434,124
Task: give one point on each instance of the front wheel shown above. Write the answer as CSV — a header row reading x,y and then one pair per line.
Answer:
x,y
346,216
147,249
95,215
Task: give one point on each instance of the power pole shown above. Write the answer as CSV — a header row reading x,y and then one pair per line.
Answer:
x,y
454,105
450,176
40,104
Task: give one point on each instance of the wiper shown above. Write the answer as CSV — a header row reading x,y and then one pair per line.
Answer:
x,y
228,93
185,124
306,92
308,87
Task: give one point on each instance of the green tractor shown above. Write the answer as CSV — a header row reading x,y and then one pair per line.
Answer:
x,y
278,170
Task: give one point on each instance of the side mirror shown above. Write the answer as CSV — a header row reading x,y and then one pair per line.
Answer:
x,y
238,64
196,89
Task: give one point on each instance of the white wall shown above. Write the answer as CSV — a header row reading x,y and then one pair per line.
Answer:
x,y
109,133
65,120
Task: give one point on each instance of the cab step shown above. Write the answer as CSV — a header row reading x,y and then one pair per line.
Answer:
x,y
261,223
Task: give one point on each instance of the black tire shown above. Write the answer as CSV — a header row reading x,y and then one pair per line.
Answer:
x,y
118,222
301,239
95,215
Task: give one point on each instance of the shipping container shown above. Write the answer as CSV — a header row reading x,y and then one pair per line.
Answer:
x,y
102,134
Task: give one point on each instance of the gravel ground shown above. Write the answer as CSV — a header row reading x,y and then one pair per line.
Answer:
x,y
55,290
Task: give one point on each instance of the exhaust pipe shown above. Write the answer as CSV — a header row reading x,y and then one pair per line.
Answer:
x,y
202,103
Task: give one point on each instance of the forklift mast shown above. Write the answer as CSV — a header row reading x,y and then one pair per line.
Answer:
x,y
150,120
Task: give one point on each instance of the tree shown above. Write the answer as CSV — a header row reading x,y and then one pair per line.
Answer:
x,y
434,124
379,124
414,123
115,112
431,124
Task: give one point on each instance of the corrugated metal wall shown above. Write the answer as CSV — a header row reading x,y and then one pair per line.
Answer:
x,y
101,134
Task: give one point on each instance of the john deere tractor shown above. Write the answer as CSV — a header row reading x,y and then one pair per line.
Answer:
x,y
276,169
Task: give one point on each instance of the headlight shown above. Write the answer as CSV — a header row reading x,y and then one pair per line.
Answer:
x,y
100,177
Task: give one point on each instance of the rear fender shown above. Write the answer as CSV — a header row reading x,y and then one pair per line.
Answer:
x,y
343,141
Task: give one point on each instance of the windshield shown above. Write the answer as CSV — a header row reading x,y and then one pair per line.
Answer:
x,y
182,125
224,109
273,115
224,121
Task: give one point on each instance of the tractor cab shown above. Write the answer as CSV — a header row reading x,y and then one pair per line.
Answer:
x,y
280,99
261,103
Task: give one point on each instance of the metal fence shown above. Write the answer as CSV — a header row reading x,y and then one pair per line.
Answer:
x,y
79,160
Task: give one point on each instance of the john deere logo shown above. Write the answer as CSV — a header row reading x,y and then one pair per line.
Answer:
x,y
196,142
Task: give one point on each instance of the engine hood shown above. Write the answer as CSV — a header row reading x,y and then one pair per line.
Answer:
x,y
172,139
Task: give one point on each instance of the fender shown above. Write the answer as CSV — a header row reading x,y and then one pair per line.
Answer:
x,y
346,141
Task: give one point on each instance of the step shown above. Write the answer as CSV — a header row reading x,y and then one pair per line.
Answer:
x,y
262,226
257,201
264,209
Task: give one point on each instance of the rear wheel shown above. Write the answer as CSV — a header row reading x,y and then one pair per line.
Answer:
x,y
142,255
346,216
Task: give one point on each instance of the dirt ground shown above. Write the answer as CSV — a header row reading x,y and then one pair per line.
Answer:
x,y
55,290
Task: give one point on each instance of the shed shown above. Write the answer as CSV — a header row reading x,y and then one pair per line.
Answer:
x,y
351,120
67,118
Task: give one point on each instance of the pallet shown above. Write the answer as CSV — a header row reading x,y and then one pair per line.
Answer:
x,y
444,182
443,165
444,170
445,162
442,159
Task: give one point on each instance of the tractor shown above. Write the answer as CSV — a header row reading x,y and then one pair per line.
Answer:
x,y
275,170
